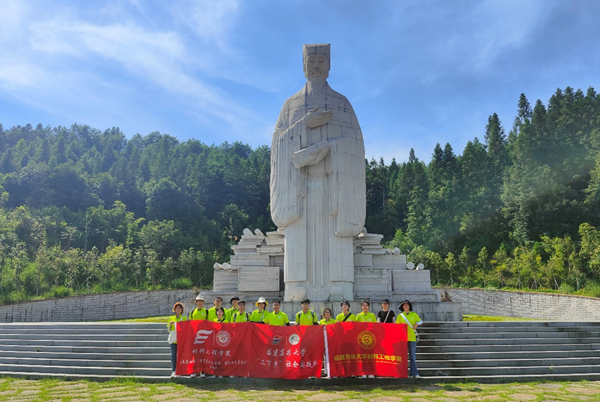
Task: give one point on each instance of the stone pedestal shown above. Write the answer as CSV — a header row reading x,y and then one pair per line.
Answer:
x,y
256,270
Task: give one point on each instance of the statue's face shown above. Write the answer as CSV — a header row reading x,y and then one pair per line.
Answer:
x,y
316,67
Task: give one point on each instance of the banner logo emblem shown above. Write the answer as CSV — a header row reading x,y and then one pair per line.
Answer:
x,y
201,336
223,338
367,340
277,340
294,339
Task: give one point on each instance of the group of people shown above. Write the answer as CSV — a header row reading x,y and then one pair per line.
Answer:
x,y
237,313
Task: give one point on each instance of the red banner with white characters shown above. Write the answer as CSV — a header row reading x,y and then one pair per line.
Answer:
x,y
362,348
249,350
219,349
290,353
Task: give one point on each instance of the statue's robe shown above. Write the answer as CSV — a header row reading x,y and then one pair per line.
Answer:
x,y
320,206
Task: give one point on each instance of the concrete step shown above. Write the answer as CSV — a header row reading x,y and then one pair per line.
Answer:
x,y
56,342
150,364
501,348
523,362
99,337
461,330
505,341
111,371
142,351
495,324
510,355
469,372
510,335
166,355
84,325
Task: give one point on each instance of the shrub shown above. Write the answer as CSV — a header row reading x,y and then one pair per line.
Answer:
x,y
181,283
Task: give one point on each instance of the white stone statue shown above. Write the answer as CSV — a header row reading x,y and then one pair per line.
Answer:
x,y
318,191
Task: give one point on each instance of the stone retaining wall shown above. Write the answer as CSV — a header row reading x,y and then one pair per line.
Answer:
x,y
98,307
545,306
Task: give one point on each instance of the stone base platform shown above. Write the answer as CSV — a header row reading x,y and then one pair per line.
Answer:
x,y
427,310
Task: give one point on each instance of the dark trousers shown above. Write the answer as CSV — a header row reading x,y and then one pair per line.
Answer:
x,y
173,356
412,355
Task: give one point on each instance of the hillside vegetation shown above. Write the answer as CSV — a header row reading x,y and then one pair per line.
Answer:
x,y
83,210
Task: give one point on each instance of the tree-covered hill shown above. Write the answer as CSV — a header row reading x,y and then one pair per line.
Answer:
x,y
89,211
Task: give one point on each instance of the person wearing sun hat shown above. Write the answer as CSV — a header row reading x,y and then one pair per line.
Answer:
x,y
234,307
259,314
199,313
412,321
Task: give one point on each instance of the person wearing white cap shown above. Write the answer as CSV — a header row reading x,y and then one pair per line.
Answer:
x,y
199,313
260,314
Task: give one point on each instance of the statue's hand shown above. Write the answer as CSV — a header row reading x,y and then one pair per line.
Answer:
x,y
314,120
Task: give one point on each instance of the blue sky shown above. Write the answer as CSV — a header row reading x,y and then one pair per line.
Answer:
x,y
416,72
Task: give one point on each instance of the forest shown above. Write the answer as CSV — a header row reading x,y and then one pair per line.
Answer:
x,y
88,211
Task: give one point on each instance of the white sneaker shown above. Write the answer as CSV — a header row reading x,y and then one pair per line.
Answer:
x,y
231,376
173,375
371,376
202,375
364,376
193,375
416,376
220,376
213,376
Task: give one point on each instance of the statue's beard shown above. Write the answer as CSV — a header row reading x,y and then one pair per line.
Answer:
x,y
317,75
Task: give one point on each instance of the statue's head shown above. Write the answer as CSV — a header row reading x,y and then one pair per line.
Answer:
x,y
316,62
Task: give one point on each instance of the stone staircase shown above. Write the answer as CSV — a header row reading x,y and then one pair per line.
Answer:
x,y
85,350
448,351
510,351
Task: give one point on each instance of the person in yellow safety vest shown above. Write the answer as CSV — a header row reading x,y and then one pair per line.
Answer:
x,y
171,326
306,316
327,317
234,307
241,315
365,315
212,312
277,317
221,317
199,313
345,315
260,314
412,319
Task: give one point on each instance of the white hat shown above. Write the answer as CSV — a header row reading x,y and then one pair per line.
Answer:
x,y
199,297
262,300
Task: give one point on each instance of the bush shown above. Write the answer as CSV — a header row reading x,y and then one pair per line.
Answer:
x,y
62,291
592,289
566,289
181,283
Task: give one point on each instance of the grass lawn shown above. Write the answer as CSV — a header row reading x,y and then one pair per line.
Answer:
x,y
57,390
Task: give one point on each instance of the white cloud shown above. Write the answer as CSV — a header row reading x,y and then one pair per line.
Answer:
x,y
211,20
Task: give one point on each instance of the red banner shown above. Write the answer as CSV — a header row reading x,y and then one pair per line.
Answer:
x,y
287,352
249,350
219,349
362,348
